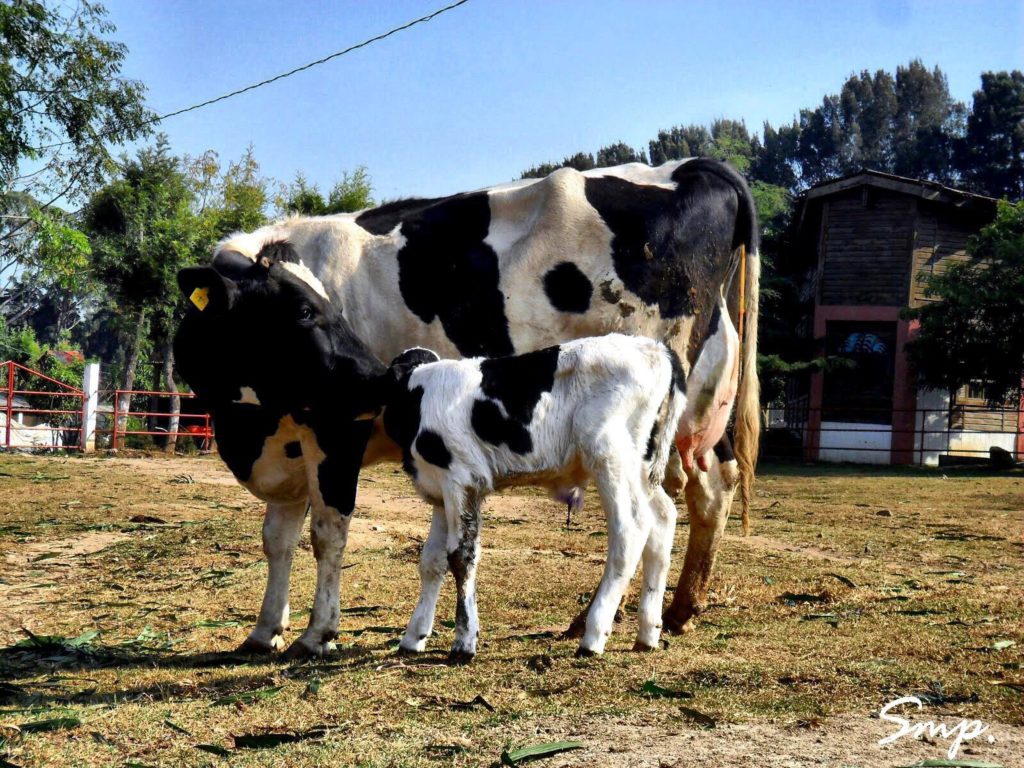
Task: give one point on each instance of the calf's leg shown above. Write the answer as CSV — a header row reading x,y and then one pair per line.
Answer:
x,y
656,559
282,527
708,499
462,508
433,567
629,521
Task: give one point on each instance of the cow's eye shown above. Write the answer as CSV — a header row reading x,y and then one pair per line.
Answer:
x,y
305,312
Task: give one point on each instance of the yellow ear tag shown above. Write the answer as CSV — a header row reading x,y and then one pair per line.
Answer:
x,y
200,297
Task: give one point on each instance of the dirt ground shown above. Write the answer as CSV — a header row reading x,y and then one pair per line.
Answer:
x,y
125,584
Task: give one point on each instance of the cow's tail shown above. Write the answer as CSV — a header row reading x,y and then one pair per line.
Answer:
x,y
747,425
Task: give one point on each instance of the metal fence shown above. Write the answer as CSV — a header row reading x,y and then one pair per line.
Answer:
x,y
961,433
147,419
38,411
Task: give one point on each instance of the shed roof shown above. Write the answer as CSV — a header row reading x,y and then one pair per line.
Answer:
x,y
927,190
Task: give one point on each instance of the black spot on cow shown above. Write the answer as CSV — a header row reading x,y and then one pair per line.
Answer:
x,y
716,318
652,441
431,447
384,218
293,450
276,251
723,450
678,376
343,443
491,425
446,271
609,294
241,432
567,288
665,241
519,381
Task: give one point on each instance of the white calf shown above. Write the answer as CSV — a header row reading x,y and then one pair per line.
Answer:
x,y
604,408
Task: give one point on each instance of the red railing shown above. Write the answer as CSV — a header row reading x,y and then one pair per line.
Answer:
x,y
17,434
194,425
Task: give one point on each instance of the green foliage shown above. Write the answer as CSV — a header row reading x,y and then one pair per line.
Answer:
x,y
353,192
19,344
992,158
974,333
60,84
244,197
62,251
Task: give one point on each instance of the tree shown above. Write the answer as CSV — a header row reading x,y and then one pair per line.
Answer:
x,y
973,332
992,156
62,99
243,197
143,230
352,193
618,153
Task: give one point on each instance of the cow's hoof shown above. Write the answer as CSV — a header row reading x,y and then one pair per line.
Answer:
x,y
406,651
460,657
585,653
255,647
299,651
643,647
678,625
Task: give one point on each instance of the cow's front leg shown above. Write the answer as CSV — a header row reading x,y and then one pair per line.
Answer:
x,y
433,568
332,458
328,534
282,527
462,510
708,499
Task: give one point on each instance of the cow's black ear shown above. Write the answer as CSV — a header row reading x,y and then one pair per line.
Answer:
x,y
232,263
206,290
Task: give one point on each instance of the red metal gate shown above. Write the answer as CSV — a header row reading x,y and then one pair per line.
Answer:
x,y
60,403
194,425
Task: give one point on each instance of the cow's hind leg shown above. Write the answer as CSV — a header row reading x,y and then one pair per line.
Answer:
x,y
708,499
656,558
433,567
462,507
282,527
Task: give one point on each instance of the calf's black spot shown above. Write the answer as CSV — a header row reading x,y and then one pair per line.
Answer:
x,y
567,288
402,421
678,377
491,425
293,450
431,447
447,271
652,442
518,382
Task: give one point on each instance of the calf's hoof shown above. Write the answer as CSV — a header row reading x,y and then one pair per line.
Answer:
x,y
643,647
585,653
255,647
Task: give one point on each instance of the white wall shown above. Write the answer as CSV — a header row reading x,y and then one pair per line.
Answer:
x,y
839,441
932,418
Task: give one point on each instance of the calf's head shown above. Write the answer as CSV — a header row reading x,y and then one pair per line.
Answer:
x,y
266,333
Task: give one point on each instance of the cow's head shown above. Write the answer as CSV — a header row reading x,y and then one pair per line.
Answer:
x,y
265,332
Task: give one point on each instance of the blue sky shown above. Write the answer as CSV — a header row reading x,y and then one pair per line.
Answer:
x,y
481,93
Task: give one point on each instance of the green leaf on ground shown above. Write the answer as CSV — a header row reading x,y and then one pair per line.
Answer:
x,y
538,752
654,690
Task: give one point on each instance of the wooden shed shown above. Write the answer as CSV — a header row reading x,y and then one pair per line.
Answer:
x,y
870,240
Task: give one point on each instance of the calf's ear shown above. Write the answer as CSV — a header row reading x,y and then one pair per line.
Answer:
x,y
206,290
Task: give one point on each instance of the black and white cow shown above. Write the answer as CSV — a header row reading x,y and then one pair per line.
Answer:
x,y
511,269
603,408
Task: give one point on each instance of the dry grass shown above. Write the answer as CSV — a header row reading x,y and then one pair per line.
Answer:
x,y
916,576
